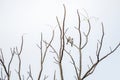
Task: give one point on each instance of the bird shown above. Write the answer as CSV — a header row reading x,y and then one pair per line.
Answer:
x,y
70,40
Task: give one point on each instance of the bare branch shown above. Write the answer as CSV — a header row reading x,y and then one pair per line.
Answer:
x,y
19,58
110,52
12,52
86,35
3,64
2,76
43,55
92,68
56,61
62,40
97,49
91,60
21,48
89,71
66,31
30,74
58,24
55,75
4,67
45,77
74,64
41,64
64,18
80,43
101,42
48,47
62,43
1,57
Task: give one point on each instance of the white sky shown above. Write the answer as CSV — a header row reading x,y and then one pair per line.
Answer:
x,y
35,16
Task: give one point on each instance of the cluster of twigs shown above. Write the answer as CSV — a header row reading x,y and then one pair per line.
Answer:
x,y
7,68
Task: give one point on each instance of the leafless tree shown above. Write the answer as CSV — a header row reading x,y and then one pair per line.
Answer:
x,y
5,72
78,68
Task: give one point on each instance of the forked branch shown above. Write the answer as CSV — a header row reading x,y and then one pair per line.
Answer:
x,y
43,54
98,51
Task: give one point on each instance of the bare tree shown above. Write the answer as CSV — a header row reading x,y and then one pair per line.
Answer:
x,y
78,69
5,72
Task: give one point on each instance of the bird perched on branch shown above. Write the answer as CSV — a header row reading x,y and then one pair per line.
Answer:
x,y
70,40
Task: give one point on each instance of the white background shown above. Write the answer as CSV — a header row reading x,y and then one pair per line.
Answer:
x,y
31,17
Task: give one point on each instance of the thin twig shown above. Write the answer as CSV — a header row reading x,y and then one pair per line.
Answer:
x,y
19,58
30,74
3,64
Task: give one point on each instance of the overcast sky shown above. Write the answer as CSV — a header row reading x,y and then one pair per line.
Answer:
x,y
31,17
